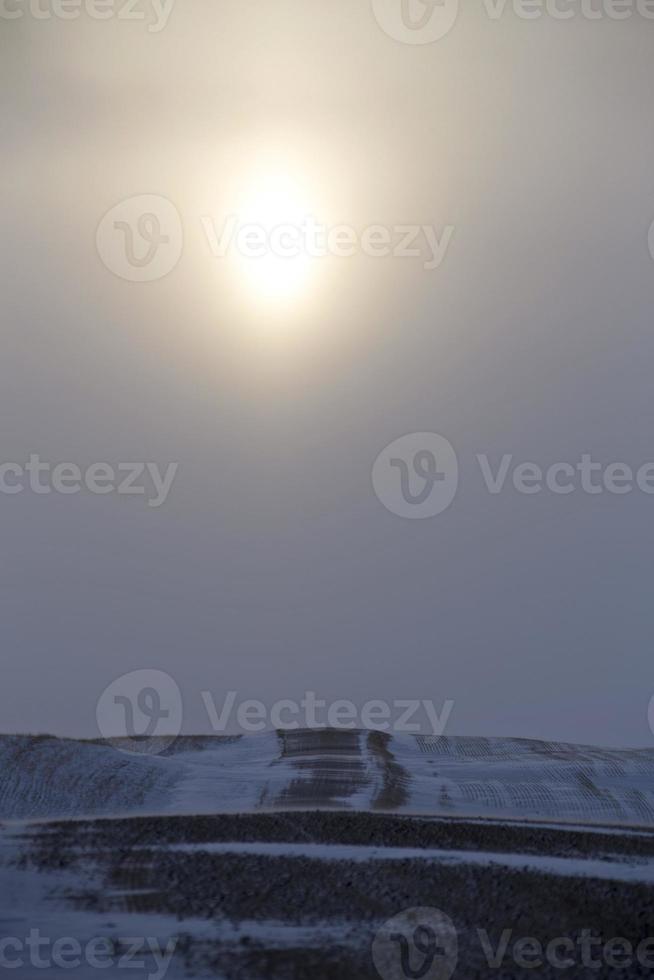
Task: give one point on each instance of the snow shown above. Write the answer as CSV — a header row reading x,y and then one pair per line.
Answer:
x,y
44,777
607,869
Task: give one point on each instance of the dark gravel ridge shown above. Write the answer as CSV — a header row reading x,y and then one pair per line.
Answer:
x,y
347,827
130,870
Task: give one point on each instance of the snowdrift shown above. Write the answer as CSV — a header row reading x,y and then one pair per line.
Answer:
x,y
43,777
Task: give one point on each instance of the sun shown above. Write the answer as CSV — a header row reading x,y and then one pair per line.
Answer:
x,y
274,263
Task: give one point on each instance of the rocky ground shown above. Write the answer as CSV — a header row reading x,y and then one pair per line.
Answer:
x,y
304,894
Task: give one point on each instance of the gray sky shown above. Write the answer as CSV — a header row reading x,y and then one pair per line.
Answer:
x,y
272,567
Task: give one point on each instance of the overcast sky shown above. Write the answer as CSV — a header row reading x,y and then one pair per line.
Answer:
x,y
272,567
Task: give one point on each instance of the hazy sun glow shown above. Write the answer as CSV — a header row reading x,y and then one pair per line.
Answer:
x,y
270,216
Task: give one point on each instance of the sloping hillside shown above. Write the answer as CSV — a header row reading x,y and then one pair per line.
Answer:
x,y
46,777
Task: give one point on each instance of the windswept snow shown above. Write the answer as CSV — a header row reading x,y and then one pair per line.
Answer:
x,y
42,777
607,869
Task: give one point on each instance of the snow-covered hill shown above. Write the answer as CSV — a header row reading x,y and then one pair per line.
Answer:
x,y
49,777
